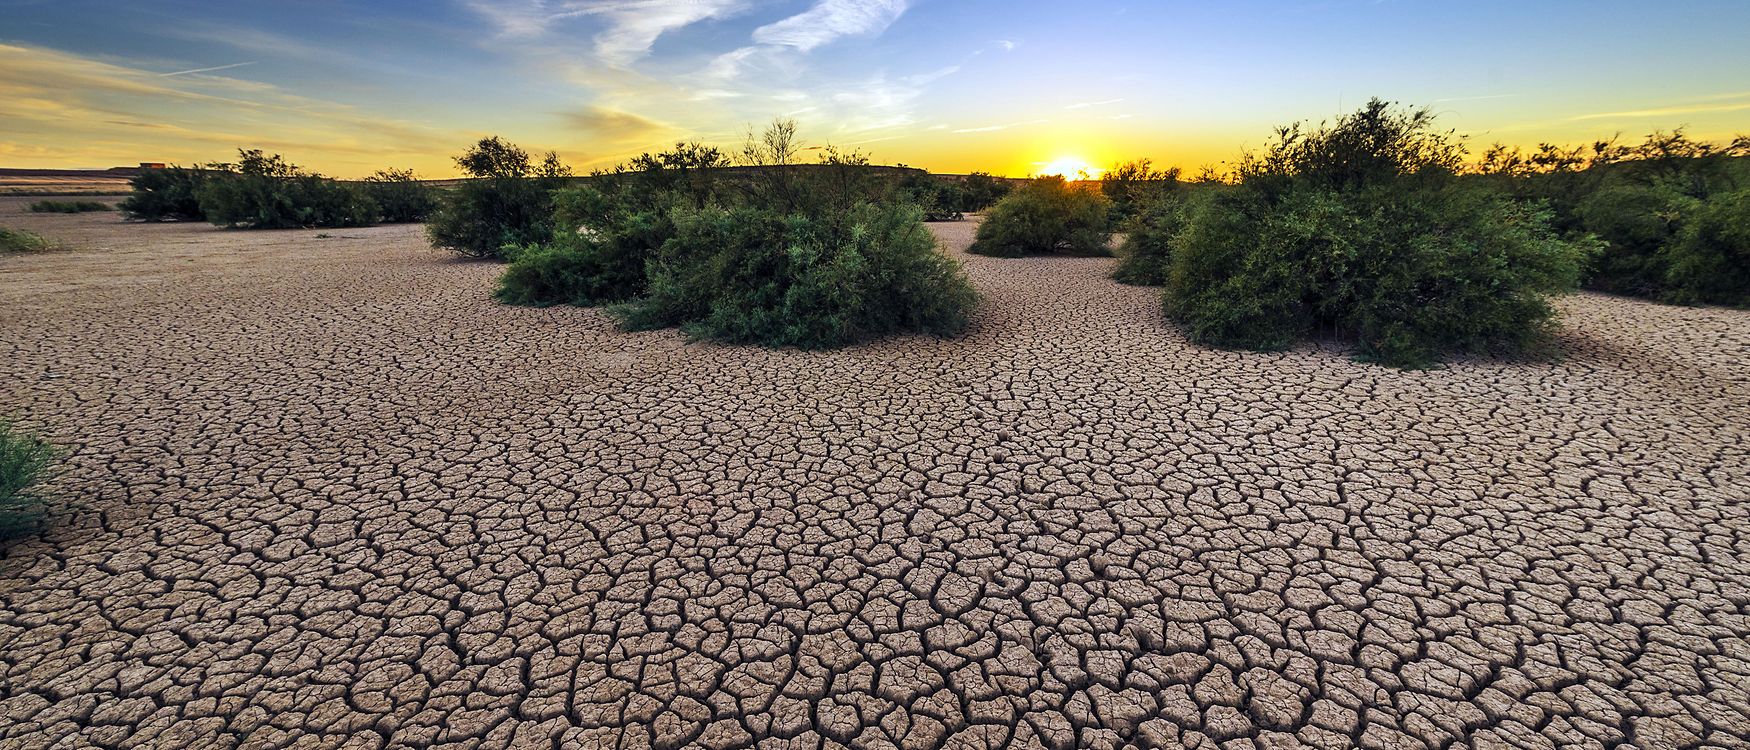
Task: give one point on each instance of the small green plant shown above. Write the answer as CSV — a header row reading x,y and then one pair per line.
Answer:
x,y
21,241
169,194
1047,215
507,203
399,196
981,191
24,460
68,207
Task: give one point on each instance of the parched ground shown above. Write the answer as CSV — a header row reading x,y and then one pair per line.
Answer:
x,y
325,493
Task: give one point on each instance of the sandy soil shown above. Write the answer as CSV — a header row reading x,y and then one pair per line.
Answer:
x,y
325,493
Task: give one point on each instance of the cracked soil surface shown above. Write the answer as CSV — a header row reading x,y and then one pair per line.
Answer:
x,y
326,493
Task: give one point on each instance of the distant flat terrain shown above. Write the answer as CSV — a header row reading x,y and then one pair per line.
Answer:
x,y
323,492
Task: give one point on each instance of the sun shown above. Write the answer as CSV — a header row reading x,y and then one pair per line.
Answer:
x,y
1072,168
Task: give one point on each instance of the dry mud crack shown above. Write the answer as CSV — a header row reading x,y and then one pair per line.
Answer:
x,y
327,494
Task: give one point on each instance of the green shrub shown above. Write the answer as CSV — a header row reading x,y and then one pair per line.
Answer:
x,y
1047,215
168,194
21,241
23,461
399,196
1363,229
597,255
1133,186
1710,261
1635,223
1147,252
756,275
507,203
941,200
981,191
68,207
267,192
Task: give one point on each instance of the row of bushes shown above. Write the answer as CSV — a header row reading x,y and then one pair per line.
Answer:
x,y
68,207
1668,211
810,256
262,191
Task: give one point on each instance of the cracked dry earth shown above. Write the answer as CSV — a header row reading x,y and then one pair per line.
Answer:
x,y
325,493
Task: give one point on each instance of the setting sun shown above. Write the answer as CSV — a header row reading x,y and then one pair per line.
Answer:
x,y
1072,168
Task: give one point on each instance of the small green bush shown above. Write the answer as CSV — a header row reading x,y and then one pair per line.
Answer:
x,y
1363,229
755,275
21,241
68,207
399,196
267,192
1146,255
601,261
1710,261
1047,215
508,203
169,194
24,459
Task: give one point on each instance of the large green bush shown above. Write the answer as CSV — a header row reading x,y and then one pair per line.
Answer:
x,y
399,196
22,241
598,253
24,459
507,203
1362,229
756,275
264,191
1146,254
169,194
1047,215
1710,261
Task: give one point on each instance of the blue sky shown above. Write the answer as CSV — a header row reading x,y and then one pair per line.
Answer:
x,y
950,85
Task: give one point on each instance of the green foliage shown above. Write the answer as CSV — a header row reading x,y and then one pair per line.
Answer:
x,y
940,199
24,460
1134,185
1710,261
68,207
758,275
508,203
21,241
597,255
1364,230
168,194
267,192
400,197
1635,222
1147,253
1047,215
982,191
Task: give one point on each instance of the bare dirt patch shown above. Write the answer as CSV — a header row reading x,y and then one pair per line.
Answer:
x,y
325,491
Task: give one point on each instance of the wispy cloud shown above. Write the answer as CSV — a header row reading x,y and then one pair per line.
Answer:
x,y
1665,111
1102,103
829,20
822,23
1007,45
632,26
213,69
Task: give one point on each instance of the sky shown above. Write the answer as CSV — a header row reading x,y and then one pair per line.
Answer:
x,y
1013,87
